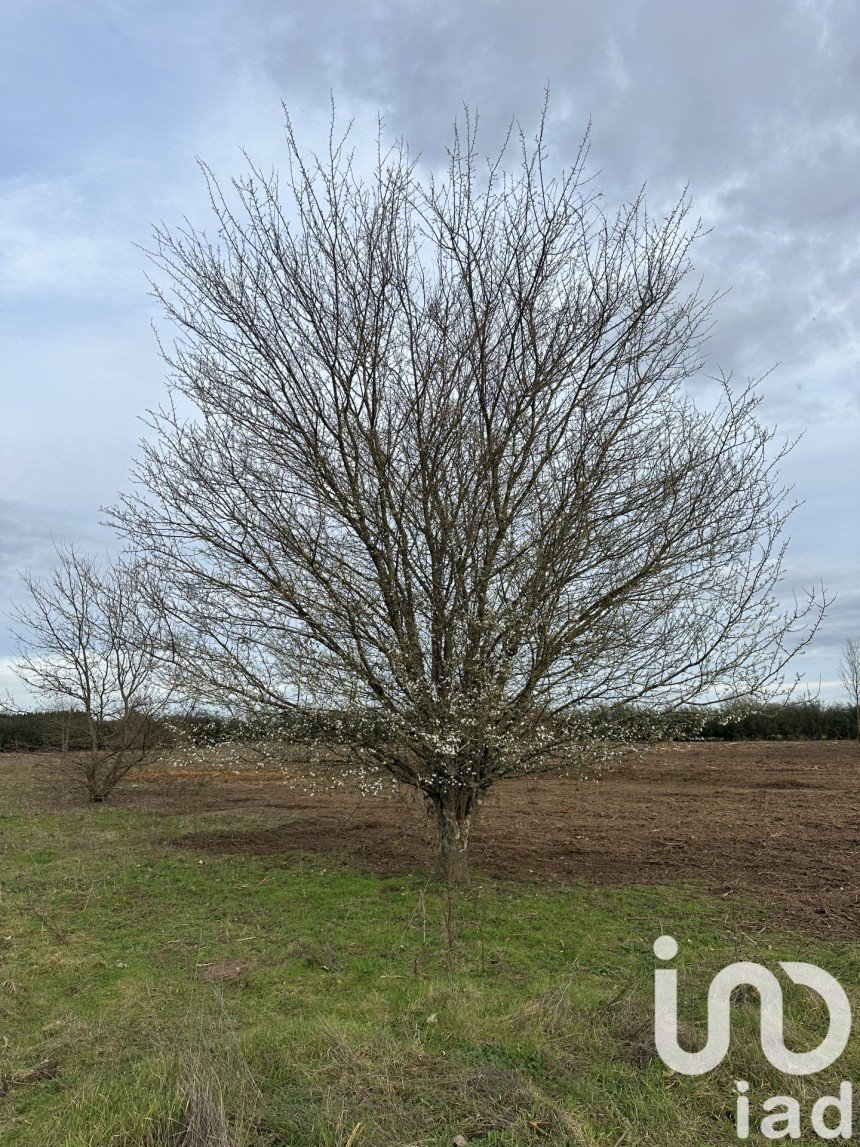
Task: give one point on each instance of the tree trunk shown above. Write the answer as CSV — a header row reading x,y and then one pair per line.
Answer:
x,y
453,823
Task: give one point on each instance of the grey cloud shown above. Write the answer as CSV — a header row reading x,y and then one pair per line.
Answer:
x,y
756,106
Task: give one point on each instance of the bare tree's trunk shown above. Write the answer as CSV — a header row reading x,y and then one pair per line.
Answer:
x,y
115,751
65,731
91,768
95,786
453,824
849,671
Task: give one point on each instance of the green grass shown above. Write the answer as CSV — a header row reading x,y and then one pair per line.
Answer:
x,y
511,1014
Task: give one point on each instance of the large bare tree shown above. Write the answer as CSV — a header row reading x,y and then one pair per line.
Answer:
x,y
431,458
89,640
849,672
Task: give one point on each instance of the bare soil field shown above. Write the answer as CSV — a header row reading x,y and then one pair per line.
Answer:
x,y
777,822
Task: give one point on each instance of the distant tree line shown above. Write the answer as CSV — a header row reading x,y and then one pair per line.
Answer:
x,y
69,731
43,732
58,731
798,721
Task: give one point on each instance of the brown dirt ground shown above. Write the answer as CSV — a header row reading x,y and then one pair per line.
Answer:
x,y
777,822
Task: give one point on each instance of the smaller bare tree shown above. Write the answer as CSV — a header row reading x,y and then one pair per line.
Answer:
x,y
86,636
849,671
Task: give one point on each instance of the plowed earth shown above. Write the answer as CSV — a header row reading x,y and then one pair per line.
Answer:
x,y
778,822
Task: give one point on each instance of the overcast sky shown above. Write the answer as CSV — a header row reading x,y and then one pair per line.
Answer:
x,y
104,104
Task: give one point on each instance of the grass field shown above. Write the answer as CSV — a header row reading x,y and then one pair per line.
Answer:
x,y
153,993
